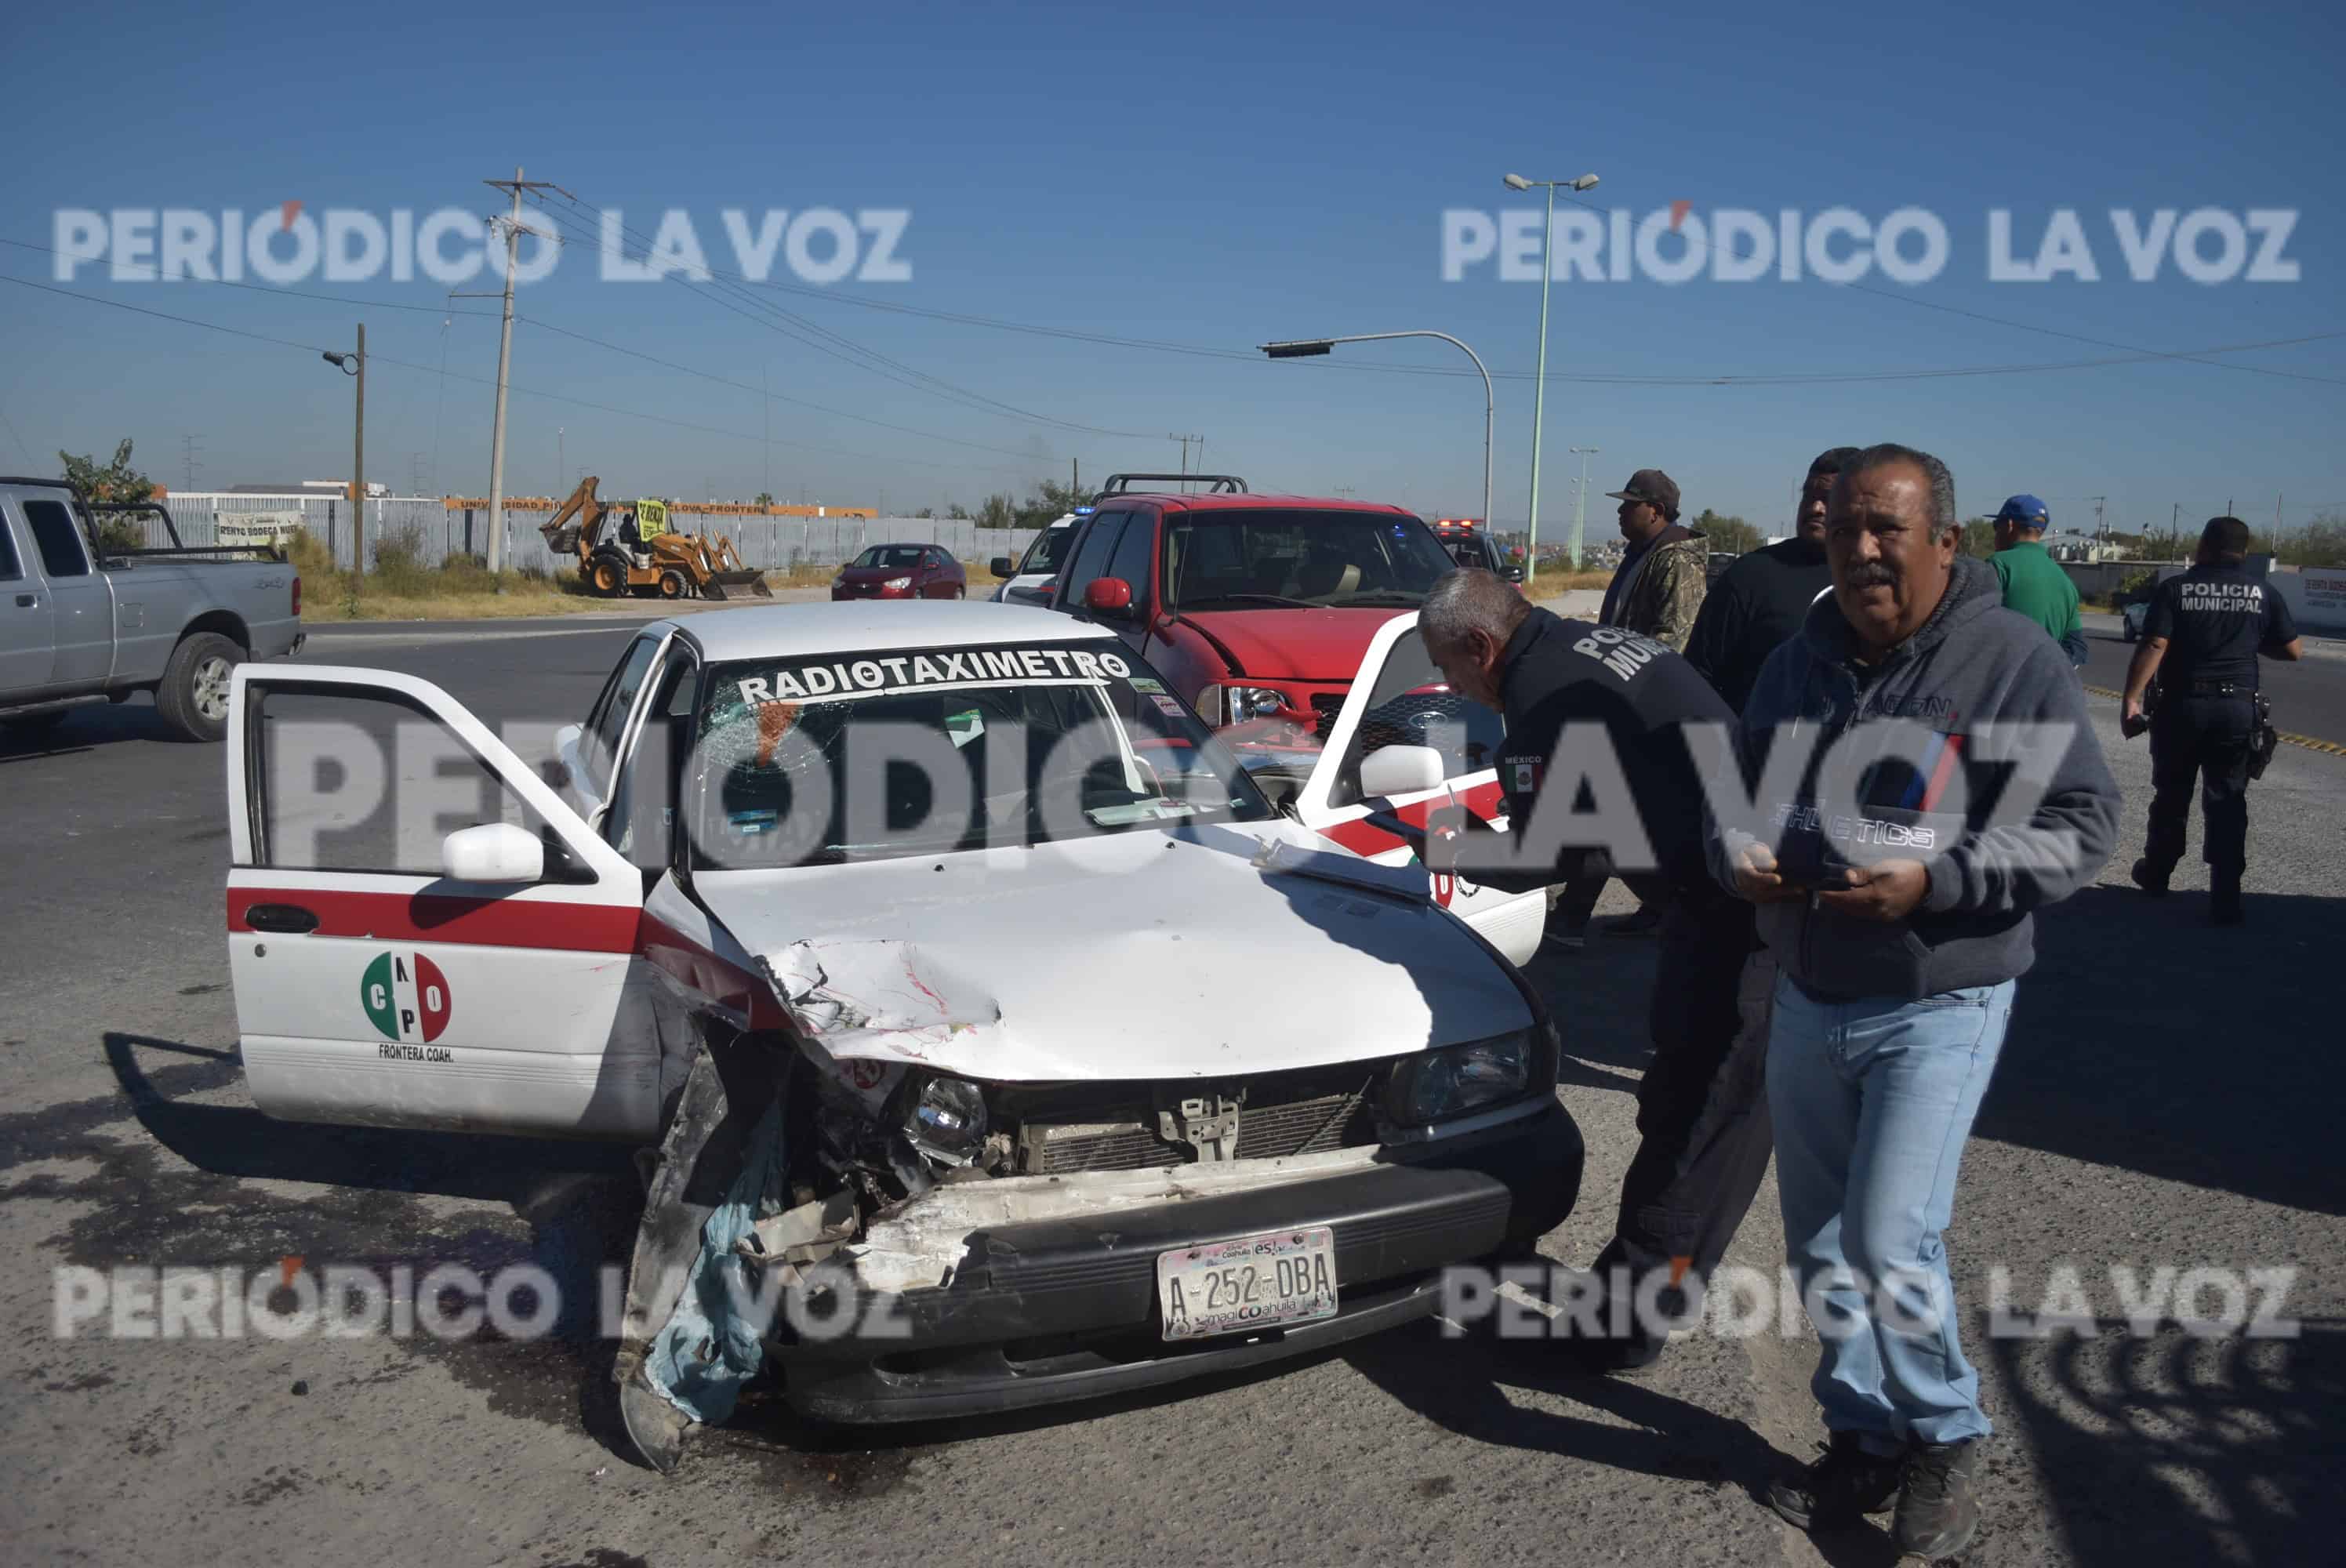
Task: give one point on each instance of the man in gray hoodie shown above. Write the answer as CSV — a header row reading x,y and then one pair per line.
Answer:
x,y
1919,776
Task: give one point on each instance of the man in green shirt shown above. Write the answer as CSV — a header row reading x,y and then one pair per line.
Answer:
x,y
2033,583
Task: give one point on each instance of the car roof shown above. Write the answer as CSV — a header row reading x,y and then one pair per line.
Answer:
x,y
899,544
1248,501
860,626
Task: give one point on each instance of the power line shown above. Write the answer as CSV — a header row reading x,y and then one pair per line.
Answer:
x,y
1249,356
376,359
835,345
544,325
1922,303
156,274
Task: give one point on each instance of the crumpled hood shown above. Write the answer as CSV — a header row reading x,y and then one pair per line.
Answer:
x,y
1144,954
1296,645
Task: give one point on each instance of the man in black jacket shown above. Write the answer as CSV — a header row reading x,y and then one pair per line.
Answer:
x,y
1605,711
1763,598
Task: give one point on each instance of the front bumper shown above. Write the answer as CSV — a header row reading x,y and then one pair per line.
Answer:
x,y
1063,1310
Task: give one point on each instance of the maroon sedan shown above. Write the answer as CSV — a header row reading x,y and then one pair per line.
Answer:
x,y
901,572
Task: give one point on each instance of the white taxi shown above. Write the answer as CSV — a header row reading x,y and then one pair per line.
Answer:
x,y
1028,1012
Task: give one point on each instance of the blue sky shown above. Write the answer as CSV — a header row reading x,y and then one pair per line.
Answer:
x,y
1216,178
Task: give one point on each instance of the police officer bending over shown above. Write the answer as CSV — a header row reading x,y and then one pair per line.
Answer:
x,y
2202,637
1595,747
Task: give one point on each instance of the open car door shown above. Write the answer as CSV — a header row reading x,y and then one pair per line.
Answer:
x,y
421,933
1400,698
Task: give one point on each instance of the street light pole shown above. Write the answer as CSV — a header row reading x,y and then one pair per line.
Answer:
x,y
1580,502
355,365
1305,348
1539,375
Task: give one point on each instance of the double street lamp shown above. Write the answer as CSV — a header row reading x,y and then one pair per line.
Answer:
x,y
1304,347
1539,378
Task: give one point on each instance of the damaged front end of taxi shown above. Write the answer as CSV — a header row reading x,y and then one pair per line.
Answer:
x,y
933,1195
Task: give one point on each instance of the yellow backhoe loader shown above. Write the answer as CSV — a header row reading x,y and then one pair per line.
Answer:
x,y
639,553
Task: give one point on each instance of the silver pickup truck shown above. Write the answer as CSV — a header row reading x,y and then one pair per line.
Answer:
x,y
80,625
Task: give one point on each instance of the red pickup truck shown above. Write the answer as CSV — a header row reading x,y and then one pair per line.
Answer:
x,y
1257,608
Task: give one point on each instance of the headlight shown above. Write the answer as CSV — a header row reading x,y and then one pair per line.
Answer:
x,y
1437,1085
947,1120
897,583
1253,702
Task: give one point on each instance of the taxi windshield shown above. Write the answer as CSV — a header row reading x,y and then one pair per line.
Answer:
x,y
883,754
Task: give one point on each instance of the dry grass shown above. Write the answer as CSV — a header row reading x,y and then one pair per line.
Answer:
x,y
1564,580
402,588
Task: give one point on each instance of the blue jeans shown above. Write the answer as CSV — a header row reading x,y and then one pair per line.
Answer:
x,y
1872,1100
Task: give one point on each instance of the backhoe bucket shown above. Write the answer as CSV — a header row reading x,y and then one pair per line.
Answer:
x,y
737,585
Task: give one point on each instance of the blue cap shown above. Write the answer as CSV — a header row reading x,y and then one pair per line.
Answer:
x,y
2025,510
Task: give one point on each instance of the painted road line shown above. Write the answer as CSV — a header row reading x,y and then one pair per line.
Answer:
x,y
2327,747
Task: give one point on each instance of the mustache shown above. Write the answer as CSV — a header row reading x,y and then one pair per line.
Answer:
x,y
1873,575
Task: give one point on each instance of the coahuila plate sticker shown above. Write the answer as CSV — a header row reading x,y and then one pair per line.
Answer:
x,y
406,998
965,726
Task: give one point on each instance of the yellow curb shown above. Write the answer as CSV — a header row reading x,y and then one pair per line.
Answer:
x,y
2327,747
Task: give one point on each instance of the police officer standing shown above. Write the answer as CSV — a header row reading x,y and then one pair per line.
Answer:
x,y
2201,639
1598,761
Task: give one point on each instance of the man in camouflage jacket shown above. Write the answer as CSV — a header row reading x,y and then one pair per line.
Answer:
x,y
1661,580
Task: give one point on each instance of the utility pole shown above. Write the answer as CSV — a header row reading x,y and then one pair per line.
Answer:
x,y
1579,506
1184,440
2175,528
188,450
505,365
358,463
2098,501
416,473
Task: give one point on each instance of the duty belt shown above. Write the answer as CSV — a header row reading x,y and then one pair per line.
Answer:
x,y
2219,688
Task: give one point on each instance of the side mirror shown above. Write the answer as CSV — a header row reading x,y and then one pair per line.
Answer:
x,y
1513,574
1002,566
493,853
1401,771
1108,597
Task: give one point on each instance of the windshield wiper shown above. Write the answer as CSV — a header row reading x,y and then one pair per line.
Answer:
x,y
1251,600
1381,597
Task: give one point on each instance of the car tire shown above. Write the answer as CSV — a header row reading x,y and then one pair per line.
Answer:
x,y
193,695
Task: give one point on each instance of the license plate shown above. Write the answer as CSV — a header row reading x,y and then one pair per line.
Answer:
x,y
1248,1284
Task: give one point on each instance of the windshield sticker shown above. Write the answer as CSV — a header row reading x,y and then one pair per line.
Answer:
x,y
894,673
1167,706
965,726
1141,682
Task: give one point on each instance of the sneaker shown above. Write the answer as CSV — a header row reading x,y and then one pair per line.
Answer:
x,y
2224,902
1645,922
2149,879
1848,1483
1937,1513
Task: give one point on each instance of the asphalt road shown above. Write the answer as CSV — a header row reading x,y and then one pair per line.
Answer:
x,y
2167,1098
2309,697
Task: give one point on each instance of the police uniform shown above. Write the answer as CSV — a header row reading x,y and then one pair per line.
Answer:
x,y
1702,1112
2213,618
